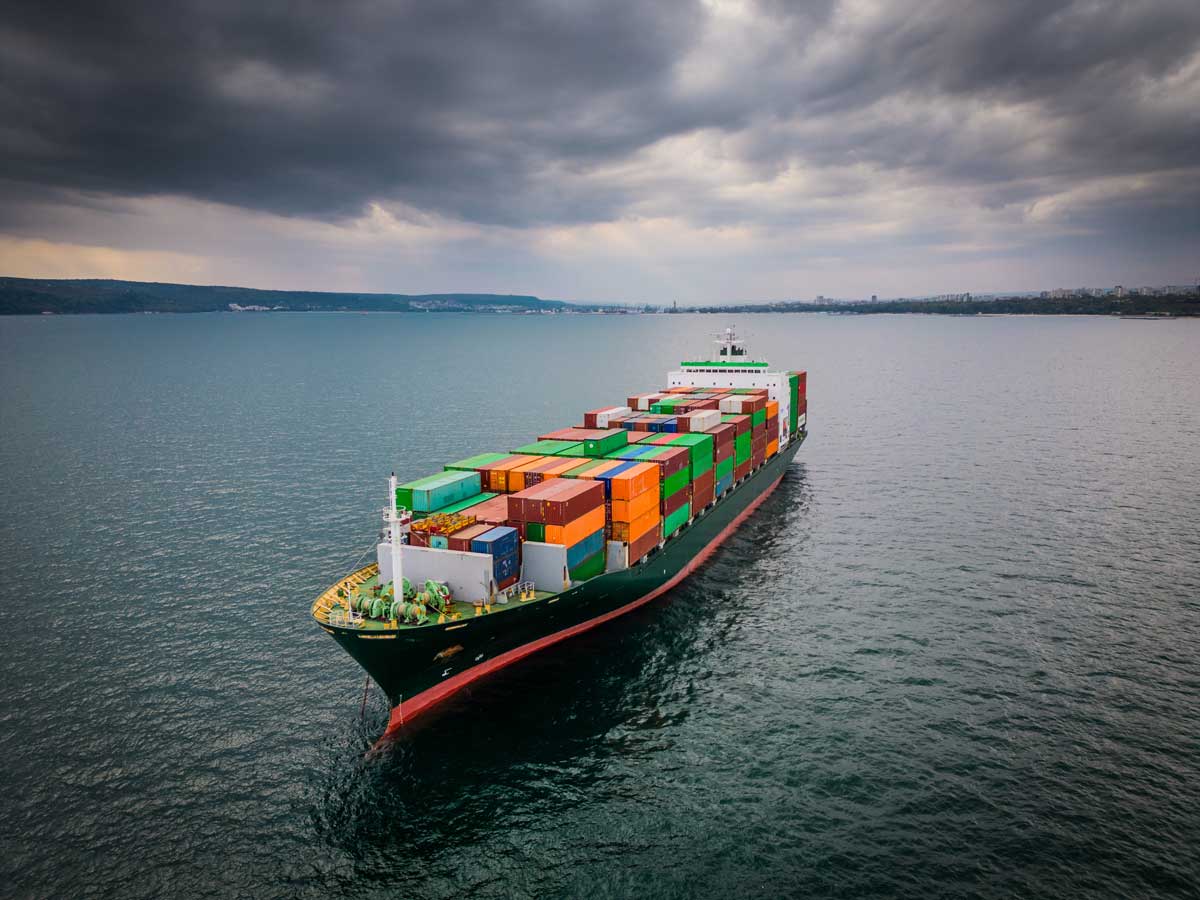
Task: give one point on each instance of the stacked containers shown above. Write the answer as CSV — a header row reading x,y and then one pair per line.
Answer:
x,y
741,445
493,511
700,451
724,437
633,501
570,512
772,428
502,544
674,479
461,540
600,418
496,474
473,463
799,410
435,491
642,402
551,447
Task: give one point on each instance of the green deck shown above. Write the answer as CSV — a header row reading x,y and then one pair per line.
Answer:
x,y
464,610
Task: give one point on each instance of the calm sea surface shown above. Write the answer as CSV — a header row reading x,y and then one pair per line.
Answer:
x,y
957,653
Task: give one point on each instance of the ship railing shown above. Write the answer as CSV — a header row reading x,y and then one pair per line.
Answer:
x,y
345,618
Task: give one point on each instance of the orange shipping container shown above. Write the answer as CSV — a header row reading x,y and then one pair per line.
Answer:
x,y
635,481
628,532
772,447
575,531
772,408
629,510
516,477
497,472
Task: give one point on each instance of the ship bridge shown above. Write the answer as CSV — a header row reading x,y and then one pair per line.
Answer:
x,y
729,363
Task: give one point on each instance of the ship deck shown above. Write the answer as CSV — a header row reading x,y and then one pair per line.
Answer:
x,y
328,609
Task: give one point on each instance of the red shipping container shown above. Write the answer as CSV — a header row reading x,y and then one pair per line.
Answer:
x,y
645,544
556,502
672,503
741,424
418,538
672,461
571,434
494,511
461,540
740,472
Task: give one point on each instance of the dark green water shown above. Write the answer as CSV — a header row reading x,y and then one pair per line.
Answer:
x,y
957,653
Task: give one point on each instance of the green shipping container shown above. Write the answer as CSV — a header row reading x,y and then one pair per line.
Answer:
x,y
794,407
607,444
676,481
742,447
471,463
589,568
548,448
677,519
724,467
535,531
700,451
465,504
435,491
758,417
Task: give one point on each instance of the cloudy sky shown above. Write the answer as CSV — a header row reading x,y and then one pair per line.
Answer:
x,y
630,150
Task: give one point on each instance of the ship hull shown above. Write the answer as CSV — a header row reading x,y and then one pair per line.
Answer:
x,y
417,668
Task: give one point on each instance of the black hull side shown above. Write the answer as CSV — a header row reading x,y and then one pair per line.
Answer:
x,y
410,663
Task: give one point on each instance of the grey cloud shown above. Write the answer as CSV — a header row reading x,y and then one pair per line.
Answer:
x,y
497,112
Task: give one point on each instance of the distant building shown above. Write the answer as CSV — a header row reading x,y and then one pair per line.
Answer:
x,y
874,298
1120,291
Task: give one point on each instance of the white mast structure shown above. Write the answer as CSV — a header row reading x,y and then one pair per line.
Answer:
x,y
397,521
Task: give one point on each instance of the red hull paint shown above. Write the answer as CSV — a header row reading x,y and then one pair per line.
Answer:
x,y
408,710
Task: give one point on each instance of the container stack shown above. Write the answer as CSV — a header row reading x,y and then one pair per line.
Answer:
x,y
434,530
643,402
503,545
432,493
600,418
632,501
724,437
798,413
495,475
741,445
772,412
700,456
566,511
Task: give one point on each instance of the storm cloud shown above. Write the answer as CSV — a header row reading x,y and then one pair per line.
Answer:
x,y
535,145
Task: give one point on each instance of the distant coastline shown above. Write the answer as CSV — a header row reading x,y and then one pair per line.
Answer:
x,y
37,296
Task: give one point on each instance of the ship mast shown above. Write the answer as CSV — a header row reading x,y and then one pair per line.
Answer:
x,y
397,522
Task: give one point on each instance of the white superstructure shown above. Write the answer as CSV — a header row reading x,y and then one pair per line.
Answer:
x,y
731,365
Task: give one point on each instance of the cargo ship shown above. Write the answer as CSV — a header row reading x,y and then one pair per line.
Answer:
x,y
507,552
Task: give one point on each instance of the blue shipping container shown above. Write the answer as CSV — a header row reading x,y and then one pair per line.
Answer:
x,y
500,541
724,484
577,553
504,567
604,477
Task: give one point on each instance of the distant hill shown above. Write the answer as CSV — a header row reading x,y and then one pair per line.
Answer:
x,y
24,296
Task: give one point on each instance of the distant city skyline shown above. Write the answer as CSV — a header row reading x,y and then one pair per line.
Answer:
x,y
693,150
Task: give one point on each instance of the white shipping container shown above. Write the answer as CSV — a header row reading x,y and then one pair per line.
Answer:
x,y
801,420
645,401
704,420
602,419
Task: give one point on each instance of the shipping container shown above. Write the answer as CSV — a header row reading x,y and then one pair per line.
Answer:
x,y
505,567
435,491
581,550
724,467
474,463
700,447
628,510
605,442
496,474
758,417
677,518
589,568
493,511
463,504
629,483
643,545
724,484
575,530
498,541
555,502
461,540
628,532
668,504
550,447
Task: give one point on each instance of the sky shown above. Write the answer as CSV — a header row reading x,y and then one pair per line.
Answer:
x,y
630,151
